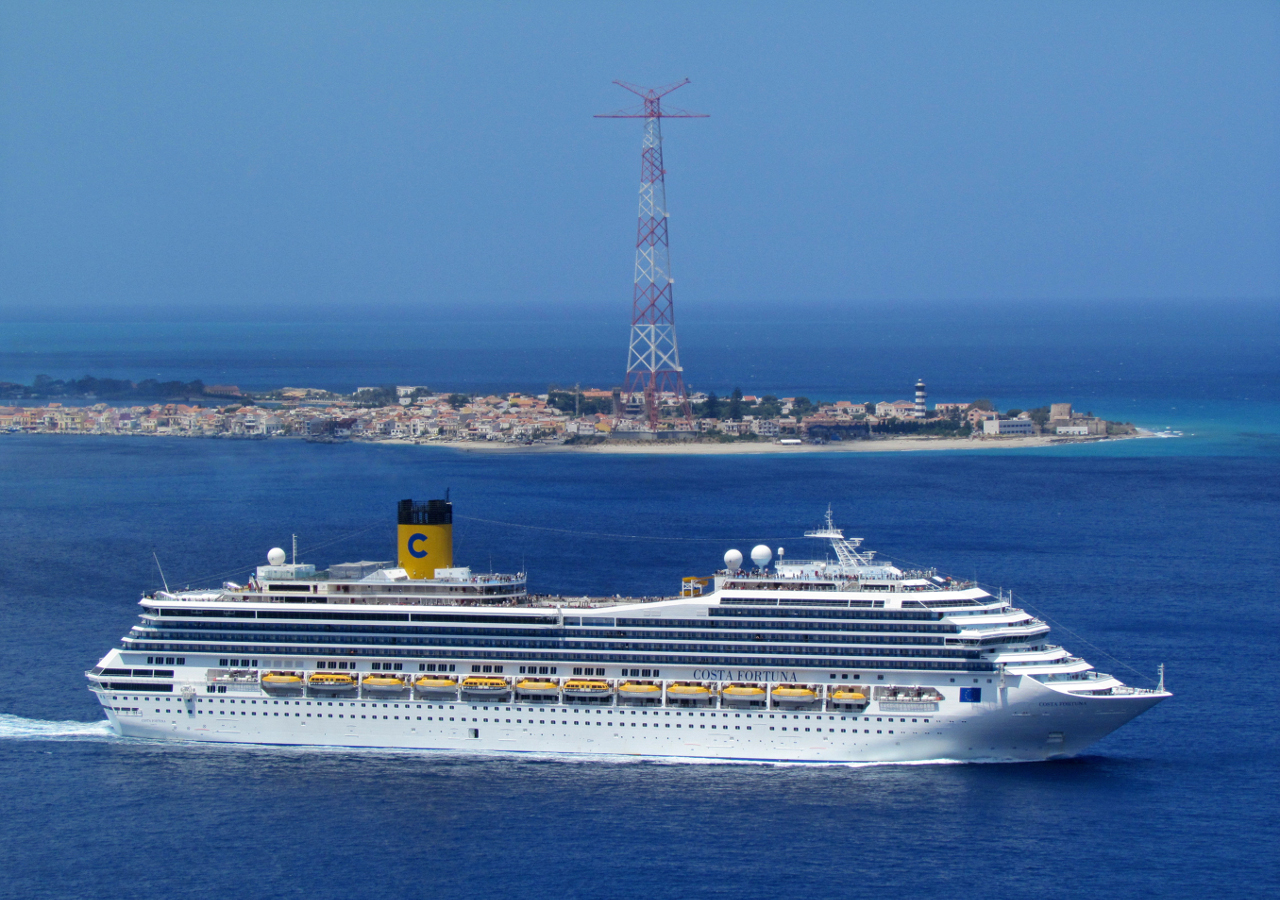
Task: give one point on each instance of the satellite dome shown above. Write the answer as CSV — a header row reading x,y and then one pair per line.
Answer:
x,y
275,556
733,560
760,555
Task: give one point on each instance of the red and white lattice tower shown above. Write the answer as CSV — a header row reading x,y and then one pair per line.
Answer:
x,y
653,361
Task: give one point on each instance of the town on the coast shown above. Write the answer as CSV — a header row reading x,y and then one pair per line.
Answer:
x,y
574,417
652,408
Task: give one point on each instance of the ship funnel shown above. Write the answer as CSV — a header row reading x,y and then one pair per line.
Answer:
x,y
425,537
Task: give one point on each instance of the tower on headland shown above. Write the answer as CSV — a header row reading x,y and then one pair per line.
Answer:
x,y
654,375
921,410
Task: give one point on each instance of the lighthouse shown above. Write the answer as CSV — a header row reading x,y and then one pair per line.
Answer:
x,y
920,399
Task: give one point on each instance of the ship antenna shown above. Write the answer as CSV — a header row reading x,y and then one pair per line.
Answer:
x,y
166,583
295,549
1160,687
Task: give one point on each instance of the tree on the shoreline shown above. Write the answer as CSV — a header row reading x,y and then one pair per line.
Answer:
x,y
734,412
709,408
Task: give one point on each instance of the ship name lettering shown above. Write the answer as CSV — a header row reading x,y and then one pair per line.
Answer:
x,y
742,675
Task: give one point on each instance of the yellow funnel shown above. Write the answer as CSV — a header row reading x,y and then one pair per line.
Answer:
x,y
425,537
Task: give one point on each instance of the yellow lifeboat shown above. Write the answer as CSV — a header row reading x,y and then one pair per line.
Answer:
x,y
332,681
536,687
587,687
846,695
793,695
281,680
384,684
639,690
485,686
436,686
688,690
739,694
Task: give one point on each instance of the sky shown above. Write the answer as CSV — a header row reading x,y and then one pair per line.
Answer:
x,y
310,160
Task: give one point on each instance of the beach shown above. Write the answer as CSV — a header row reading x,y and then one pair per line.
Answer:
x,y
690,448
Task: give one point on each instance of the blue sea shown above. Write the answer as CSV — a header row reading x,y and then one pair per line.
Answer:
x,y
1139,553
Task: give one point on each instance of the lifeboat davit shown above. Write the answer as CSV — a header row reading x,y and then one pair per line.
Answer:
x,y
587,687
281,681
485,686
384,684
436,686
793,695
639,690
743,693
332,681
536,687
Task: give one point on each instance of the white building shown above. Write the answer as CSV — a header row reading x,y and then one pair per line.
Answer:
x,y
1008,426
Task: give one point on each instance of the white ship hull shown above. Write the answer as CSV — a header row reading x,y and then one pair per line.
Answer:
x,y
945,671
1026,722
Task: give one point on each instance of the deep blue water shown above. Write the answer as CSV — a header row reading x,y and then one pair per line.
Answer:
x,y
1150,551
1150,558
1166,363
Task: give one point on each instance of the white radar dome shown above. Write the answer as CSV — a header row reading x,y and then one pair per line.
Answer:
x,y
733,560
760,555
275,556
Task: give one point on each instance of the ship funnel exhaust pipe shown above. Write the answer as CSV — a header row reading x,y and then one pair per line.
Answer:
x,y
425,537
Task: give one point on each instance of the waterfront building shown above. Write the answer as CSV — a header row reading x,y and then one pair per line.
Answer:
x,y
1008,426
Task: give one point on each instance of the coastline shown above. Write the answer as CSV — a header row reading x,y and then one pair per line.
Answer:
x,y
888,445
884,445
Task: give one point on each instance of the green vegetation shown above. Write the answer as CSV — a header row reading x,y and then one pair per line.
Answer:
x,y
802,407
709,408
733,412
90,388
376,397
563,401
929,428
769,407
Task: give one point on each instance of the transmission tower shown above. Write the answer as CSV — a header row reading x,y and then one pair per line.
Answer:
x,y
653,361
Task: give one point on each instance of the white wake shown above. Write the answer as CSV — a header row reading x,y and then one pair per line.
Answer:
x,y
17,728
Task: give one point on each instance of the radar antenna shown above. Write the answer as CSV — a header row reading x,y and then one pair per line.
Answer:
x,y
846,548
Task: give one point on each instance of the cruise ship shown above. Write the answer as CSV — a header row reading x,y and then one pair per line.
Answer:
x,y
846,658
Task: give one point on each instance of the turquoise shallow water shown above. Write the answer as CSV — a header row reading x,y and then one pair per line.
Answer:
x,y
1208,367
